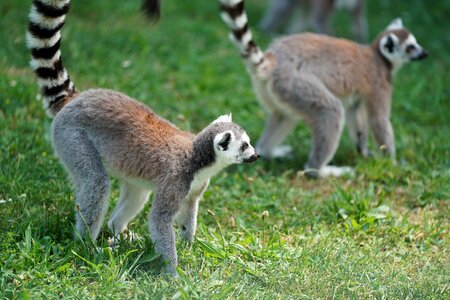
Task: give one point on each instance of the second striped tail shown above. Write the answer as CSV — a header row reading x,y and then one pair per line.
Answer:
x,y
233,14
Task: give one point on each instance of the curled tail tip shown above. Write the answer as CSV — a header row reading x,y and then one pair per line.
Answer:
x,y
234,16
43,38
152,9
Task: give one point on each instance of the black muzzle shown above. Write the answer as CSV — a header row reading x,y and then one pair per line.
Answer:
x,y
422,55
252,158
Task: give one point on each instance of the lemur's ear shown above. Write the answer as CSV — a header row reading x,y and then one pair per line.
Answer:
x,y
222,140
224,118
388,43
395,24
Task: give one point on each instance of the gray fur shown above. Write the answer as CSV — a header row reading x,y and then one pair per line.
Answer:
x,y
357,124
100,132
323,80
95,132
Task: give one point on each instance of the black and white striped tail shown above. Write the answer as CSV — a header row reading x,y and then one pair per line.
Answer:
x,y
43,39
233,14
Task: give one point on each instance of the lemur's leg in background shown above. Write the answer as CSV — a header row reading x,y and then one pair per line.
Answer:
x,y
131,202
276,14
358,126
278,126
322,11
359,22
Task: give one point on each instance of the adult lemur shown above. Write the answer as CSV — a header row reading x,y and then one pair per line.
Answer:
x,y
102,130
310,77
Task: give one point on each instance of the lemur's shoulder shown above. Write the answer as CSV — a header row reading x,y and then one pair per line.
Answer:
x,y
314,46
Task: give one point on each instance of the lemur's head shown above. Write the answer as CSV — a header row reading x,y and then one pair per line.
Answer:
x,y
225,142
398,45
231,143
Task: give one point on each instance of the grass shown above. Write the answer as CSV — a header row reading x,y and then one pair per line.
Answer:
x,y
381,234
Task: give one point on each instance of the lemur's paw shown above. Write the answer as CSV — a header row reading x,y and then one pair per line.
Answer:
x,y
282,151
130,236
336,171
186,234
126,235
113,242
170,270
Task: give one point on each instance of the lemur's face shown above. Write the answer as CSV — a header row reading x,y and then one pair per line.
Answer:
x,y
399,45
233,148
231,143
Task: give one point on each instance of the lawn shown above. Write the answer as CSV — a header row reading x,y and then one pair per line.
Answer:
x,y
383,233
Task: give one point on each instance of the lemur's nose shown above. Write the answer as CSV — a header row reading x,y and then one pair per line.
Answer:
x,y
252,158
422,55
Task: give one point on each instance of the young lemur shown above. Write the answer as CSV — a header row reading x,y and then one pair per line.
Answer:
x,y
313,77
100,131
316,12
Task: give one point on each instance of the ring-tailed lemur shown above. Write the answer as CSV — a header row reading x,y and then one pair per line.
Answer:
x,y
99,131
310,77
316,12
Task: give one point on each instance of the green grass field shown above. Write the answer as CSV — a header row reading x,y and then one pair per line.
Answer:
x,y
382,234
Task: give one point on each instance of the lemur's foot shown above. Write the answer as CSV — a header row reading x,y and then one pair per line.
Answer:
x,y
282,151
170,271
327,171
187,234
336,171
126,235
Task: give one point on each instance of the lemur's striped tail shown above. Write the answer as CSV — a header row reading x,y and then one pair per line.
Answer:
x,y
43,39
233,14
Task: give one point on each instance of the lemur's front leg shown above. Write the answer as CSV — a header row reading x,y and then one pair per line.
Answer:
x,y
379,110
187,217
384,135
358,126
165,206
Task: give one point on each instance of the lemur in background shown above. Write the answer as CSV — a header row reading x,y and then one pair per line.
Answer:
x,y
316,13
313,77
101,131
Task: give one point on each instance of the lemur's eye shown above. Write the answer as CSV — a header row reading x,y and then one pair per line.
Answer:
x,y
410,48
244,146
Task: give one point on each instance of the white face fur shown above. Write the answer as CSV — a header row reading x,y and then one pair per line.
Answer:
x,y
398,52
230,150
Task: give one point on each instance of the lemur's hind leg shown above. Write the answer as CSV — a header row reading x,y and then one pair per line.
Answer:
x,y
187,217
91,181
326,121
322,111
358,126
132,200
276,13
321,16
278,126
359,22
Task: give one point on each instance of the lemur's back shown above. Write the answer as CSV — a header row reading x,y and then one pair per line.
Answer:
x,y
121,127
341,65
